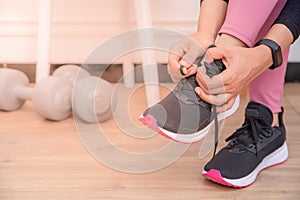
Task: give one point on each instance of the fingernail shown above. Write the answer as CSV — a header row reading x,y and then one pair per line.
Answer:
x,y
184,63
198,90
192,71
185,71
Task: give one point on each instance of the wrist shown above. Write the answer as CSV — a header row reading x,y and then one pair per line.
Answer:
x,y
275,51
264,56
204,39
229,40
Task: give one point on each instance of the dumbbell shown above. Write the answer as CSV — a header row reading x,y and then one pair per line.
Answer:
x,y
94,99
71,72
50,98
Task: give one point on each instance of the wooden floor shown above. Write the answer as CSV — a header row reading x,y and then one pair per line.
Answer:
x,y
42,159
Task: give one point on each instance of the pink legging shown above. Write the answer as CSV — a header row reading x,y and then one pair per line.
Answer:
x,y
249,21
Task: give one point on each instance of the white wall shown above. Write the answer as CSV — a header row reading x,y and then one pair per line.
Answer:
x,y
294,55
18,26
78,26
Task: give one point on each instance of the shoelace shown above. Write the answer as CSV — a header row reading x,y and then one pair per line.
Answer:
x,y
182,91
183,88
256,130
213,69
216,122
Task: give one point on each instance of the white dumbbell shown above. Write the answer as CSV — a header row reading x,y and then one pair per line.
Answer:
x,y
71,72
94,99
50,98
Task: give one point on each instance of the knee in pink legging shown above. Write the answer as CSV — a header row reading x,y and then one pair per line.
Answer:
x,y
249,21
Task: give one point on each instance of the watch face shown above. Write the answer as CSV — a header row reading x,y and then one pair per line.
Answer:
x,y
278,56
276,51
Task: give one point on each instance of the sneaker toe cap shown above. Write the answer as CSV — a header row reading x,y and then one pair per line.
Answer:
x,y
231,166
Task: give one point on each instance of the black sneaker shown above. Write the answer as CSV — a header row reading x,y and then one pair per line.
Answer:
x,y
253,147
182,115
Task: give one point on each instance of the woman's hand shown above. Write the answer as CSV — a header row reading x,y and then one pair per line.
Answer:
x,y
184,53
242,66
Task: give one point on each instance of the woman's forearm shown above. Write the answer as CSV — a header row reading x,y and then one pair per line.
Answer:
x,y
280,34
211,17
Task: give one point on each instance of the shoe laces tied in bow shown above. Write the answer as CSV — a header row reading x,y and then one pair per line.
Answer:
x,y
253,130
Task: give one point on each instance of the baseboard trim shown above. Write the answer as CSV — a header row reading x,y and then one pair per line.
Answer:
x,y
293,72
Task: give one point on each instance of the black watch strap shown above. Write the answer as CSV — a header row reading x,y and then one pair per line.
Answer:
x,y
275,49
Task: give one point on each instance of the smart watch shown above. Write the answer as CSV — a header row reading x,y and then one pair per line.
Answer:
x,y
276,51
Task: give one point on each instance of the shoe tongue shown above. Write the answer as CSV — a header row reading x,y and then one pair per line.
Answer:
x,y
259,111
245,138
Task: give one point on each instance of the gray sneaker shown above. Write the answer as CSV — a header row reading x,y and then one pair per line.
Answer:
x,y
182,115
